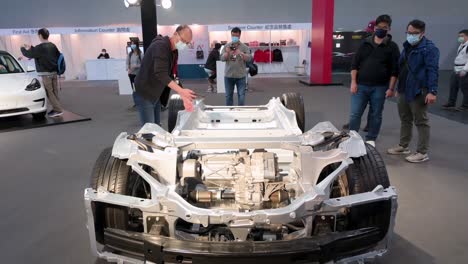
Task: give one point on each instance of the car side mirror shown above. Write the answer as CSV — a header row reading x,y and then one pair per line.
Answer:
x,y
30,69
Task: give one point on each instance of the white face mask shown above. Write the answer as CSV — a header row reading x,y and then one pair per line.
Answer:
x,y
180,45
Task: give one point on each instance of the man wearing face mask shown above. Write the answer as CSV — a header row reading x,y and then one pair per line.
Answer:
x,y
374,75
236,54
156,75
417,88
459,79
103,55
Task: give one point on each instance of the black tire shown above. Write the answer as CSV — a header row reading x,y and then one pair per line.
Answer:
x,y
39,116
294,101
114,176
175,105
364,175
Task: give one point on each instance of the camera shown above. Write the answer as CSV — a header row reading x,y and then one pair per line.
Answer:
x,y
233,47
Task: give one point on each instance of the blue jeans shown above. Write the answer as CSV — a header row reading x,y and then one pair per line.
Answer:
x,y
149,112
375,96
229,84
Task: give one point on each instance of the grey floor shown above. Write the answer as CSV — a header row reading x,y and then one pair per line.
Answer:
x,y
45,170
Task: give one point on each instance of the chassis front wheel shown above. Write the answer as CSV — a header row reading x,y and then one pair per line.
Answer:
x,y
115,176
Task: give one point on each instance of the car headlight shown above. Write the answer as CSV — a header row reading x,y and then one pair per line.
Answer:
x,y
34,85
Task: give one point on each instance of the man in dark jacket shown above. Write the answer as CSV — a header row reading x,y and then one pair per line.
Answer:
x,y
210,67
46,57
156,75
374,75
418,82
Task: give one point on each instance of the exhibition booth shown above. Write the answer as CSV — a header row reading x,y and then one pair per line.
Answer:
x,y
278,49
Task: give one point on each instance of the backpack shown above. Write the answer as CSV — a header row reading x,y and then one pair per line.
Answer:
x,y
61,67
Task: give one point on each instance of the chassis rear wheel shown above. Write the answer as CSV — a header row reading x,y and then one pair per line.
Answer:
x,y
364,175
115,176
175,105
294,101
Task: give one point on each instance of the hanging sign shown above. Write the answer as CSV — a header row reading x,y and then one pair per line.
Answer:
x,y
73,30
261,27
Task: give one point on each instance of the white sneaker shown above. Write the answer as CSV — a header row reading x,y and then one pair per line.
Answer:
x,y
399,150
417,158
371,142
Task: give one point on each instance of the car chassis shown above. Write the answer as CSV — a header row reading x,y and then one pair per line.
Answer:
x,y
270,126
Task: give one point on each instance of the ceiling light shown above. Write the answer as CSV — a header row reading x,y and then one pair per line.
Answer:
x,y
166,4
129,3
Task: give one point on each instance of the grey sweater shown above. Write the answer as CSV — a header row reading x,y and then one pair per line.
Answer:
x,y
236,68
134,63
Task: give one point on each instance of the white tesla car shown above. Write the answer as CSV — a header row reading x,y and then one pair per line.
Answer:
x,y
21,92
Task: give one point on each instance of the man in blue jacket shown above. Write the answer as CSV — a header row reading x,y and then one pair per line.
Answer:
x,y
417,88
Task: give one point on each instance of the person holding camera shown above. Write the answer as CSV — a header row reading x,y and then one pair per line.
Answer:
x,y
236,54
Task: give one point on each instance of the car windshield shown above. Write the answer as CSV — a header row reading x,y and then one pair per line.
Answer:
x,y
8,64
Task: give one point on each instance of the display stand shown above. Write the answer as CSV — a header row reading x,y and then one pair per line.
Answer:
x,y
220,68
293,52
112,69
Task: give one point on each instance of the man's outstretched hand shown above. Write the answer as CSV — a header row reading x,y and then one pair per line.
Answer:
x,y
188,96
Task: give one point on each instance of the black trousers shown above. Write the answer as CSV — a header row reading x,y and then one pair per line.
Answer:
x,y
132,80
458,83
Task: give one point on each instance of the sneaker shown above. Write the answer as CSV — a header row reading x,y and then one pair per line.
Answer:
x,y
399,151
54,113
417,158
371,142
448,106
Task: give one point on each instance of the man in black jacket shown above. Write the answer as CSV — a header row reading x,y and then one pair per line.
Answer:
x,y
46,57
156,75
374,75
210,67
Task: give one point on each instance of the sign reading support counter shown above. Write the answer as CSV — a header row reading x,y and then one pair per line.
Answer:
x,y
260,27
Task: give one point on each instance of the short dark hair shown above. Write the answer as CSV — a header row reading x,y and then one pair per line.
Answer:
x,y
217,46
44,32
464,32
417,24
104,50
236,30
384,19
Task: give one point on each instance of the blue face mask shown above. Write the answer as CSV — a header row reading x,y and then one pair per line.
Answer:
x,y
235,39
381,33
133,46
413,39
